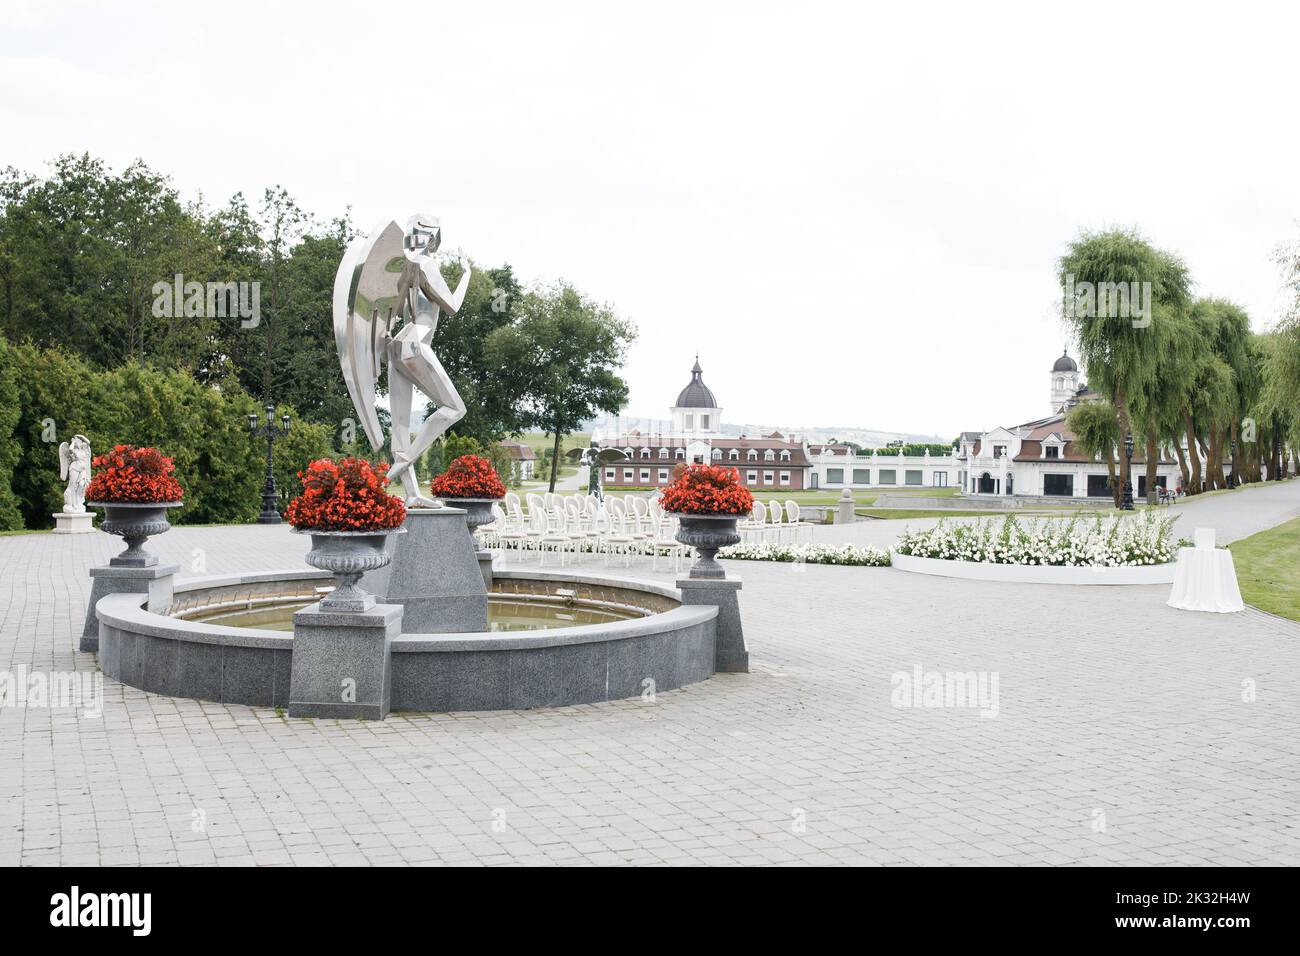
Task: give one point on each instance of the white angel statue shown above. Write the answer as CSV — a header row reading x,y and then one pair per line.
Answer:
x,y
74,468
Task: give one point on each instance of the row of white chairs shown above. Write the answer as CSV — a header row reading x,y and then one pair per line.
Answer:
x,y
626,527
570,527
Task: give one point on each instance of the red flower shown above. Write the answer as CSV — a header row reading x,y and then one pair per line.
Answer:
x,y
348,495
469,476
130,475
707,490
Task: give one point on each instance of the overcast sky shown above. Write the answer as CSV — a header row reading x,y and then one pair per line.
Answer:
x,y
852,214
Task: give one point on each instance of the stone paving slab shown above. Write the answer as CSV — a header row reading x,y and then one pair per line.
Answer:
x,y
1123,736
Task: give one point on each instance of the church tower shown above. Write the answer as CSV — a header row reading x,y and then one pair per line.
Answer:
x,y
696,413
1065,382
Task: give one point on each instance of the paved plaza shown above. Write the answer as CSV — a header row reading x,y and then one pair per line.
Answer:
x,y
1125,733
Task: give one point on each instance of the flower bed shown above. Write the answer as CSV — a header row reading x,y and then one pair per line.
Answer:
x,y
469,476
347,495
844,554
130,475
706,490
1077,543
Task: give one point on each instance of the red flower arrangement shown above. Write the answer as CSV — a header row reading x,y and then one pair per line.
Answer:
x,y
133,475
707,490
347,495
469,476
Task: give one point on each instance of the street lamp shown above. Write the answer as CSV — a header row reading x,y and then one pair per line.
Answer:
x,y
271,432
1232,473
1126,502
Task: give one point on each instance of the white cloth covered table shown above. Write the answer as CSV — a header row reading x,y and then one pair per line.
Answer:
x,y
1205,578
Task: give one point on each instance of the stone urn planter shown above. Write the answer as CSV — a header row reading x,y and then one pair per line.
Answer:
x,y
706,534
478,511
348,555
135,523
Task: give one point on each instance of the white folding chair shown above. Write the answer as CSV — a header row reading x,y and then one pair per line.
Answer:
x,y
774,510
792,516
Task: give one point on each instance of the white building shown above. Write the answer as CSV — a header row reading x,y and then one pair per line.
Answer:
x,y
1036,458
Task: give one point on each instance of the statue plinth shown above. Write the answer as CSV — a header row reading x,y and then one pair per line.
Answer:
x,y
435,574
74,522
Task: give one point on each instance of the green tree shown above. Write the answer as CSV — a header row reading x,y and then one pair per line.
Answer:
x,y
1096,432
11,518
489,390
1121,351
571,349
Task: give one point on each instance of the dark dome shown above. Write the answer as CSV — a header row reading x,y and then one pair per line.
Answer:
x,y
696,394
1065,364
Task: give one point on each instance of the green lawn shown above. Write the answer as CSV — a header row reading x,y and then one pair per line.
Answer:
x,y
1268,569
898,513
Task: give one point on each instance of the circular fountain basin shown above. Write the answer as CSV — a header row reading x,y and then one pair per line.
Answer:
x,y
555,639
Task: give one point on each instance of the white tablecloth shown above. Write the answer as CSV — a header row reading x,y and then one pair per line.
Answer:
x,y
1205,580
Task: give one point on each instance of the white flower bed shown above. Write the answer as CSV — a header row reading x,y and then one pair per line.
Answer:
x,y
1079,542
809,554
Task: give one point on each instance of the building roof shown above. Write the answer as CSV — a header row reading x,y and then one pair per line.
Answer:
x,y
1065,363
797,459
518,451
696,394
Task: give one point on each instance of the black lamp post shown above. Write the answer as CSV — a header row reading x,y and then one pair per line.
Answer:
x,y
270,431
1126,502
1232,472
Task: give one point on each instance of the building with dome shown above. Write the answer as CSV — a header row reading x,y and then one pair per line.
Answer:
x,y
696,412
1035,459
696,435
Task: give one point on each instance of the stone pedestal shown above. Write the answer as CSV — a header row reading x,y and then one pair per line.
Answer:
x,y
76,522
435,574
485,566
844,513
730,654
155,581
341,664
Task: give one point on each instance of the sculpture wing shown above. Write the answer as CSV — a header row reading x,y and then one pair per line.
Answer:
x,y
365,300
65,459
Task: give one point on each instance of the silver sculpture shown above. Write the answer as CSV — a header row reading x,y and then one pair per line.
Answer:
x,y
74,468
388,297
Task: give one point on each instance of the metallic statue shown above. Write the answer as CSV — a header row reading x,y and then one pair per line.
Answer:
x,y
74,468
388,296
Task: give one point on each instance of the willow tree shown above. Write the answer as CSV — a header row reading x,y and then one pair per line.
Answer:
x,y
1118,345
1096,432
1230,380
